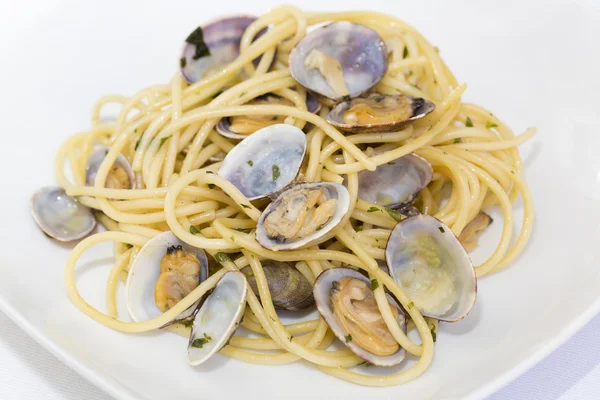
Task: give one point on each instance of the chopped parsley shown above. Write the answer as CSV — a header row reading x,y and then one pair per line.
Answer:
x,y
243,230
469,123
394,214
291,337
276,172
245,206
209,172
379,99
433,334
196,39
359,228
457,140
182,62
137,144
348,338
163,140
243,94
405,52
222,257
441,228
194,230
411,305
200,342
211,185
250,163
232,239
347,98
490,124
391,163
373,209
188,323
374,284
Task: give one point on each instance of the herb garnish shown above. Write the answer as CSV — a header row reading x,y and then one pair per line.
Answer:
x,y
163,140
405,52
359,228
379,98
209,172
433,334
373,209
198,343
194,230
374,284
222,257
211,185
188,323
394,214
232,239
196,38
243,230
490,124
441,229
137,144
182,62
391,163
276,172
245,206
250,163
469,123
457,140
347,98
348,338
411,305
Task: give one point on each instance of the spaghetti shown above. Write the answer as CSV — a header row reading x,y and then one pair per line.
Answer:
x,y
167,134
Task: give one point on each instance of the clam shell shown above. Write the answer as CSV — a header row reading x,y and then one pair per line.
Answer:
x,y
61,216
414,244
145,271
219,317
360,50
395,184
266,162
95,160
322,295
289,289
330,190
418,107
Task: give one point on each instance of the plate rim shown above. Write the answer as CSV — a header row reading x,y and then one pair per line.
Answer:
x,y
119,392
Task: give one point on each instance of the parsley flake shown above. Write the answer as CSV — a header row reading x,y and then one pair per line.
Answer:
x,y
163,140
276,172
194,230
441,228
411,305
457,140
394,214
245,206
348,338
405,52
469,123
211,185
490,124
200,342
433,334
250,163
182,62
196,39
222,257
188,323
374,284
391,163
373,209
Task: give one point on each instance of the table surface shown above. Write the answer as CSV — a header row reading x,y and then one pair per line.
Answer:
x,y
28,371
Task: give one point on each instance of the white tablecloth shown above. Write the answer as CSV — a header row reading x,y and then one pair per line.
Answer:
x,y
27,371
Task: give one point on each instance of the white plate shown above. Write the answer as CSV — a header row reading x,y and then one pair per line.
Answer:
x,y
532,65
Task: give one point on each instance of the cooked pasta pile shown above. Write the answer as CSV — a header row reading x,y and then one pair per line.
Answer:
x,y
167,133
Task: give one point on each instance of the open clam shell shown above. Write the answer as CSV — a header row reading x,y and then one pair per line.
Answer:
x,y
211,47
224,126
61,216
427,260
331,191
266,162
322,292
395,184
145,272
121,173
218,318
378,113
360,51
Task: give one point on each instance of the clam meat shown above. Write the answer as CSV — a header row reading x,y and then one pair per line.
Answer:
x,y
345,299
120,175
468,237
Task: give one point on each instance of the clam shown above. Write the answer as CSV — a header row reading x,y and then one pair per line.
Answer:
x,y
120,175
289,289
266,162
339,61
218,318
239,127
468,237
209,48
346,301
164,272
427,260
378,113
61,216
302,215
395,184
